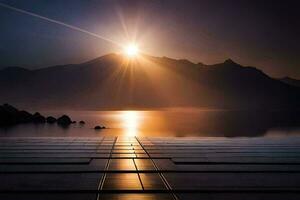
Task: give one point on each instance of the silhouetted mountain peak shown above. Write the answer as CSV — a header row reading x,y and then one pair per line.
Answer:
x,y
172,60
231,62
107,57
201,64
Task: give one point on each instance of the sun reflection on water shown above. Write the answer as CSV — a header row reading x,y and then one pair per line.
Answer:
x,y
131,122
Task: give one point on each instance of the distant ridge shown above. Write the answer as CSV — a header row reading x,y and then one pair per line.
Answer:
x,y
291,81
114,82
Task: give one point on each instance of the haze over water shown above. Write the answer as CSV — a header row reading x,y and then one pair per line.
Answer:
x,y
165,122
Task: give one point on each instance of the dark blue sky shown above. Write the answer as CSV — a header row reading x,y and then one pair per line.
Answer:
x,y
252,32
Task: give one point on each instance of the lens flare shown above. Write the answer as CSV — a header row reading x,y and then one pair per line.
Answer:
x,y
131,50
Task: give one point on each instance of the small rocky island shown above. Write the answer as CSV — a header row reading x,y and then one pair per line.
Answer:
x,y
10,115
99,127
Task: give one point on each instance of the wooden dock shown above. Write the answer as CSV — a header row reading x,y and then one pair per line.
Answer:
x,y
136,168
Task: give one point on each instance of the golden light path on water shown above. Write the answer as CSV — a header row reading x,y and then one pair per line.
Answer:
x,y
131,121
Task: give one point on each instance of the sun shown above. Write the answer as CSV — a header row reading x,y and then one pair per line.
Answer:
x,y
131,50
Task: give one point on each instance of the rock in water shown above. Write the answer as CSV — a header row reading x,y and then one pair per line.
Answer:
x,y
51,120
81,122
8,115
64,120
99,127
25,117
38,118
11,116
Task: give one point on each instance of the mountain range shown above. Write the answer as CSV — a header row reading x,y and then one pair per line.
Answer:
x,y
115,81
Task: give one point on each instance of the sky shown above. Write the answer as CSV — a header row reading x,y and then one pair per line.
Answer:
x,y
260,33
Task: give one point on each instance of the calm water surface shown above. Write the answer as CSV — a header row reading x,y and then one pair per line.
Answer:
x,y
171,122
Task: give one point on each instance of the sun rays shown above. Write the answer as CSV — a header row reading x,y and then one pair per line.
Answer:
x,y
132,50
130,68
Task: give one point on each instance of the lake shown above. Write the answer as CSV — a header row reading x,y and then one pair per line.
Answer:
x,y
166,122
